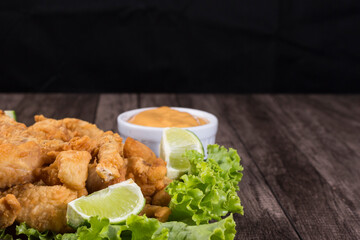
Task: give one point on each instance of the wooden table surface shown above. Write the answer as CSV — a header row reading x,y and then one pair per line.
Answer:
x,y
301,153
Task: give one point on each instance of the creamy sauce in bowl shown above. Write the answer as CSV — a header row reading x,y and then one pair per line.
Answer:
x,y
166,117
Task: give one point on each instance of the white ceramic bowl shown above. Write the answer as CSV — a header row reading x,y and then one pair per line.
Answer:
x,y
151,136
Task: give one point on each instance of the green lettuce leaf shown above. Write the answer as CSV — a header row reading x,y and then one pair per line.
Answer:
x,y
228,161
33,234
97,229
139,228
142,227
135,228
209,190
4,235
222,230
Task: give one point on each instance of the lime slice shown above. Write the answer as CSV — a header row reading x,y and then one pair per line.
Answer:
x,y
116,203
174,143
10,113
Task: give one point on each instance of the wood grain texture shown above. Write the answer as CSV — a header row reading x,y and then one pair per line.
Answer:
x,y
82,106
10,101
110,106
157,100
326,136
314,207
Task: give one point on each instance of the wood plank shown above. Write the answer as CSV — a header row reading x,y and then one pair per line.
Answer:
x,y
57,105
10,101
110,106
157,100
324,136
263,218
340,112
341,105
313,206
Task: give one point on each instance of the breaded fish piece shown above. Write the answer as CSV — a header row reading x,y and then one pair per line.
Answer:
x,y
50,129
96,183
110,161
20,153
9,209
69,168
82,128
73,168
43,207
144,168
17,163
9,128
62,129
160,213
73,126
149,177
134,148
84,143
161,198
51,148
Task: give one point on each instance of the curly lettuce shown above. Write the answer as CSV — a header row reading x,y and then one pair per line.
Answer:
x,y
139,228
4,235
222,230
208,191
33,234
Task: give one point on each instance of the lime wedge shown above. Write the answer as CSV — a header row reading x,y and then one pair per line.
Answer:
x,y
10,113
116,203
174,143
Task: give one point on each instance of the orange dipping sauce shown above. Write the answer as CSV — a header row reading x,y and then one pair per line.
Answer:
x,y
166,117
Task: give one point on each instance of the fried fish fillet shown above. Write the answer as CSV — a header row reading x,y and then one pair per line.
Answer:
x,y
17,163
9,209
110,160
42,207
21,152
160,213
161,198
149,177
74,126
50,129
9,128
69,168
134,148
144,167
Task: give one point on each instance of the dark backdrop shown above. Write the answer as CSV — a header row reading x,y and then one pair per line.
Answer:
x,y
180,46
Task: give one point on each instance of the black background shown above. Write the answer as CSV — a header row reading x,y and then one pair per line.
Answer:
x,y
180,46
